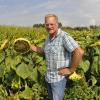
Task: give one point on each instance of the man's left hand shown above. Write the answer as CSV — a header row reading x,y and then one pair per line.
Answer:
x,y
64,71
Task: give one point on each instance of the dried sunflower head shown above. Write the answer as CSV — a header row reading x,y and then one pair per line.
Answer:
x,y
21,45
75,76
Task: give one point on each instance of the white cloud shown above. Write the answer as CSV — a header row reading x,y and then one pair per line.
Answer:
x,y
70,12
92,21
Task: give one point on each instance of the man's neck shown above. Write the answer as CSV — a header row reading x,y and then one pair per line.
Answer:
x,y
53,35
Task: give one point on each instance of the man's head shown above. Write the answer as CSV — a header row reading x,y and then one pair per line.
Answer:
x,y
51,24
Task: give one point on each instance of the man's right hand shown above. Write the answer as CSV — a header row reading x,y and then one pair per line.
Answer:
x,y
37,49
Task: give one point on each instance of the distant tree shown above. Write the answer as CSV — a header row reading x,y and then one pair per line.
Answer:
x,y
42,25
38,25
81,28
93,26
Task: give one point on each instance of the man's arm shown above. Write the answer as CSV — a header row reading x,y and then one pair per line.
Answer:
x,y
76,58
37,49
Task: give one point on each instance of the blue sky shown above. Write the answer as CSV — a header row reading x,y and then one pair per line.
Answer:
x,y
70,12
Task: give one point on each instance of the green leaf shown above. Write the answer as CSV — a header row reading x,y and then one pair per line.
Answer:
x,y
95,70
3,93
12,62
93,80
13,96
1,70
34,75
2,56
84,64
96,89
16,83
27,93
24,70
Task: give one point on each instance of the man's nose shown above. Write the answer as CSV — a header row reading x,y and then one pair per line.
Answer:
x,y
49,25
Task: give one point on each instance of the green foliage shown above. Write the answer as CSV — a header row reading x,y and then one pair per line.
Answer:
x,y
3,93
79,90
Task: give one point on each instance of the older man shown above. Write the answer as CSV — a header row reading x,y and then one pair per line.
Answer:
x,y
62,55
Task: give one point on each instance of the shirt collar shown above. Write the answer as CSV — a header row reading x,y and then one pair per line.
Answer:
x,y
59,30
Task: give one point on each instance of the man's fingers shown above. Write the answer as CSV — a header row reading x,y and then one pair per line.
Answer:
x,y
60,73
64,71
61,68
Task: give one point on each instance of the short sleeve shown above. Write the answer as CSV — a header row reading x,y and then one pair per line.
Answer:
x,y
69,43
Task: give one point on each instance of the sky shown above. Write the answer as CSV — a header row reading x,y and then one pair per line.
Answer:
x,y
70,12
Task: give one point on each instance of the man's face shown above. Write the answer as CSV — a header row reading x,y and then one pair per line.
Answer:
x,y
51,25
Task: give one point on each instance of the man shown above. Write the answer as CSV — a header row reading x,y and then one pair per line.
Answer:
x,y
62,55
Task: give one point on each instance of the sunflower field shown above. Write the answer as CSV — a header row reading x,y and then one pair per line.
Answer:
x,y
22,75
